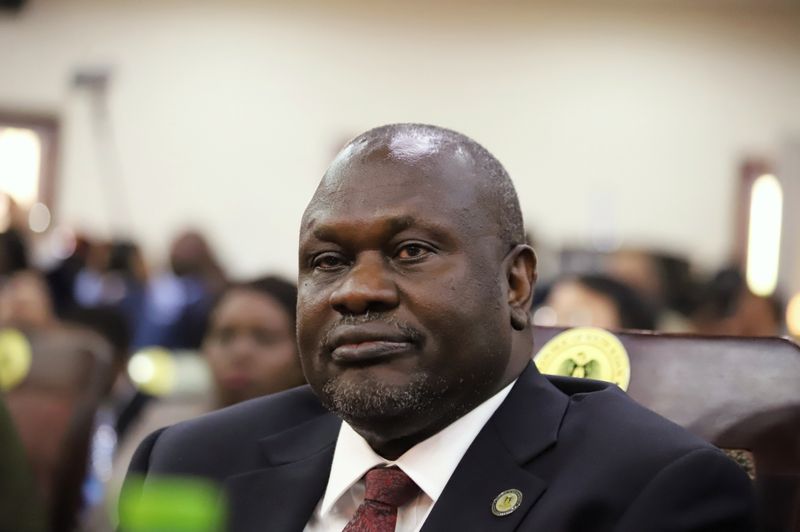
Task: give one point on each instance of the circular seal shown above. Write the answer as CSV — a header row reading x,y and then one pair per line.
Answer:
x,y
586,352
15,358
506,502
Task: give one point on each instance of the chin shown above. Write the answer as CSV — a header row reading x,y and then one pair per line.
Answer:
x,y
366,400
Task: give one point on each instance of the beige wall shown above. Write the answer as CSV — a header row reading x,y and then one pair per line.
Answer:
x,y
625,120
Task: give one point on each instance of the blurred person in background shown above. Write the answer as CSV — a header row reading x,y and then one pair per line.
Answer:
x,y
114,276
592,300
728,307
250,344
61,277
251,350
177,303
662,280
13,252
25,300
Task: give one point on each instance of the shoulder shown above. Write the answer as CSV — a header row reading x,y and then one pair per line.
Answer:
x,y
225,440
644,470
605,417
610,417
623,440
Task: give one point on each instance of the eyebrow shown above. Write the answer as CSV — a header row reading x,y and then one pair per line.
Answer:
x,y
393,225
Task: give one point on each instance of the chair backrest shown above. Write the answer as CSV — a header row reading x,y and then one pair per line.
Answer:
x,y
54,409
737,393
20,506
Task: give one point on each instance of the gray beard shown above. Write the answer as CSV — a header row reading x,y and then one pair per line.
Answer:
x,y
374,399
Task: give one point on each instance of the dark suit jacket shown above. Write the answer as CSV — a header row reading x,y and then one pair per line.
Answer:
x,y
584,456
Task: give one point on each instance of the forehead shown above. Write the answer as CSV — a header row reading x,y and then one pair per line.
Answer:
x,y
245,301
441,189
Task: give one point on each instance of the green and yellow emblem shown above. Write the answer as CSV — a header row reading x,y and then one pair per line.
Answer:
x,y
586,352
506,502
15,358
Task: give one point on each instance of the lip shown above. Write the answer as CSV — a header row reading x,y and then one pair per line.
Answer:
x,y
235,381
367,343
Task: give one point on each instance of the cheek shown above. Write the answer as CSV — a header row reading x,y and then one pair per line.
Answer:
x,y
218,363
276,359
312,311
459,297
215,358
465,314
277,369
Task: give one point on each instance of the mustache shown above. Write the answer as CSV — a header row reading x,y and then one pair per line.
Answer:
x,y
408,332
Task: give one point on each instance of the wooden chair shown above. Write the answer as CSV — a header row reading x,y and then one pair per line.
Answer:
x,y
53,410
20,506
737,393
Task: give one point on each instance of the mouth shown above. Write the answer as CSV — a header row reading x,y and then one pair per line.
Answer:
x,y
368,343
235,381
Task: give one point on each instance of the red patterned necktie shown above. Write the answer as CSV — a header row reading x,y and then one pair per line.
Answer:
x,y
388,488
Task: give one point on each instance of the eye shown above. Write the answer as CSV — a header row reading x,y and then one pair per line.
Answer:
x,y
328,261
222,336
264,337
412,251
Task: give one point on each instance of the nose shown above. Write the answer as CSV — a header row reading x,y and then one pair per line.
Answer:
x,y
366,287
240,349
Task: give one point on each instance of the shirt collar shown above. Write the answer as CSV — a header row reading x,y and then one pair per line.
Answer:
x,y
430,463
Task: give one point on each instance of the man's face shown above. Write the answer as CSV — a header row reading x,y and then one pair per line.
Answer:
x,y
403,321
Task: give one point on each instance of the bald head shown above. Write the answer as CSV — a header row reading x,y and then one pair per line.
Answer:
x,y
420,144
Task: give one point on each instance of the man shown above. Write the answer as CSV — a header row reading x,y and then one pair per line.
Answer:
x,y
414,334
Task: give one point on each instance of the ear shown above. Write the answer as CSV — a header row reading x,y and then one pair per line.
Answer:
x,y
521,275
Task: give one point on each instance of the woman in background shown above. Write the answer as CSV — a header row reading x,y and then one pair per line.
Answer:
x,y
250,342
593,300
250,348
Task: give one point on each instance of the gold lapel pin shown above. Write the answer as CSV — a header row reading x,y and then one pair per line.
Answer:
x,y
506,502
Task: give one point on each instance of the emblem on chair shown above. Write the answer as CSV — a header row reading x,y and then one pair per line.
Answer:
x,y
586,352
15,358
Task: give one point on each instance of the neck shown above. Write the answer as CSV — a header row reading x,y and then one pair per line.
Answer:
x,y
387,441
395,448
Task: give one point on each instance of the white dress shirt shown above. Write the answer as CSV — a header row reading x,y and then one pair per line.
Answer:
x,y
429,463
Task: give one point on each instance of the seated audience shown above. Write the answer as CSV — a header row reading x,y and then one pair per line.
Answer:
x,y
728,307
62,275
114,276
662,280
177,303
594,300
25,301
13,252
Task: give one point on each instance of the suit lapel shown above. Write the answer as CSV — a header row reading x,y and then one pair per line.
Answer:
x,y
524,426
282,496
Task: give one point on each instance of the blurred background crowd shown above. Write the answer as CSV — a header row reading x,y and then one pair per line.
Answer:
x,y
155,158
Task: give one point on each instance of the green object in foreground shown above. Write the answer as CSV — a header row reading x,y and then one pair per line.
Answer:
x,y
171,504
